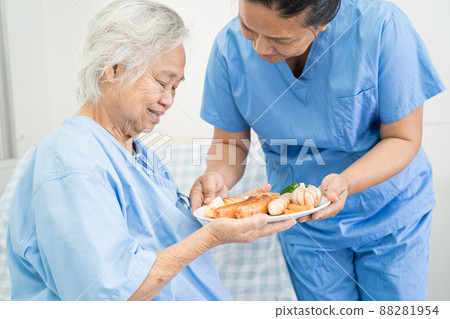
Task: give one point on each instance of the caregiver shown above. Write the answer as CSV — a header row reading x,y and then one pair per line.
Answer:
x,y
335,91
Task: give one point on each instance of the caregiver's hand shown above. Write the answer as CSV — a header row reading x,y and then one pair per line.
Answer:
x,y
228,230
206,188
335,188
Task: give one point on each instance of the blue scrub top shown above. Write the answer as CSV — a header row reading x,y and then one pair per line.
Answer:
x,y
88,219
357,76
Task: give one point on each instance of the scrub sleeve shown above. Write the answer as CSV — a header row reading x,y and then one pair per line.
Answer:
x,y
217,92
407,77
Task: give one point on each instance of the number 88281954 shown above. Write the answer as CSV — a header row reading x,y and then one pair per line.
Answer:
x,y
409,310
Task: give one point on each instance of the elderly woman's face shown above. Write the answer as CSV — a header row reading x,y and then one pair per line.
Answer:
x,y
140,107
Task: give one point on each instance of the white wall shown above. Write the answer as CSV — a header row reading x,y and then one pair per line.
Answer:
x,y
62,59
27,56
45,35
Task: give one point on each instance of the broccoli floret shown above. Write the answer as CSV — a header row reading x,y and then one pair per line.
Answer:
x,y
289,189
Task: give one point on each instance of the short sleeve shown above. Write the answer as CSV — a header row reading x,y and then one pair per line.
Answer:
x,y
218,105
84,243
407,76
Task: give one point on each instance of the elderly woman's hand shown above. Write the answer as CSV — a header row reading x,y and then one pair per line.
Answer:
x,y
228,230
335,188
206,188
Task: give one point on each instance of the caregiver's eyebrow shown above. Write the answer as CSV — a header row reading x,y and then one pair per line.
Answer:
x,y
273,38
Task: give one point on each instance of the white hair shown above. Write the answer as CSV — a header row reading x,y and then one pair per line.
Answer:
x,y
131,33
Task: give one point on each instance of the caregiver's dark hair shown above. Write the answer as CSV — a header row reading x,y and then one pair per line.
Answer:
x,y
320,12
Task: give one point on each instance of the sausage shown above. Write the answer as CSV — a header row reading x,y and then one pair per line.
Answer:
x,y
232,200
259,207
278,205
306,196
303,196
318,193
273,195
229,211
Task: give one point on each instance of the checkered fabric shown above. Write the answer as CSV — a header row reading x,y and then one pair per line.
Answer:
x,y
255,271
5,200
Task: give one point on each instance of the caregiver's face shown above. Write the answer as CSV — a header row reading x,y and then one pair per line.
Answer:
x,y
274,39
142,105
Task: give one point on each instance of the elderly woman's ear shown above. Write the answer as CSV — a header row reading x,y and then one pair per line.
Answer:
x,y
114,72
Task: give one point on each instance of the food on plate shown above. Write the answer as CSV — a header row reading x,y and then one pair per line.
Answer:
x,y
297,208
273,195
233,200
258,207
230,211
306,195
289,189
278,205
216,203
293,199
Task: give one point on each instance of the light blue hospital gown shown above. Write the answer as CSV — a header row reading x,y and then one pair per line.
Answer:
x,y
357,76
88,219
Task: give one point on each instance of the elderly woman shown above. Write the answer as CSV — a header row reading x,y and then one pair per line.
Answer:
x,y
95,217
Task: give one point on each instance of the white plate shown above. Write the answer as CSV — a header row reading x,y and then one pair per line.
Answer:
x,y
200,213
